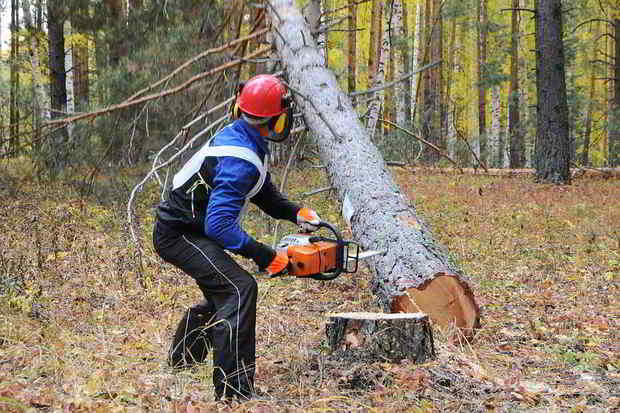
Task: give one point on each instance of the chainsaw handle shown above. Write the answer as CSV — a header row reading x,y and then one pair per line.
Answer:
x,y
331,275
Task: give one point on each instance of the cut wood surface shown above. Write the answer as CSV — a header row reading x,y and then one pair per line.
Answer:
x,y
380,337
415,274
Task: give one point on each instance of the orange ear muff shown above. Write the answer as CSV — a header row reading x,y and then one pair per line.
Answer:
x,y
280,123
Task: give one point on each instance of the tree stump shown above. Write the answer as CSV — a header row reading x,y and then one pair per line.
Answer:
x,y
381,337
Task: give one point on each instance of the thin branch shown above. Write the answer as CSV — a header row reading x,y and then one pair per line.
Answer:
x,y
194,60
519,9
424,141
592,21
319,114
316,191
325,27
168,92
394,82
154,169
283,183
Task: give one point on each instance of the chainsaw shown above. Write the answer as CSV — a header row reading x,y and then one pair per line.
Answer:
x,y
321,258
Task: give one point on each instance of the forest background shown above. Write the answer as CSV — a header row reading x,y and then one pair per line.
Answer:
x,y
88,100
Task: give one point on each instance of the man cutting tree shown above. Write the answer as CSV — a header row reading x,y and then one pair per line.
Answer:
x,y
199,223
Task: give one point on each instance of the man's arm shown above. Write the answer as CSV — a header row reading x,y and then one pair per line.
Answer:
x,y
234,178
274,203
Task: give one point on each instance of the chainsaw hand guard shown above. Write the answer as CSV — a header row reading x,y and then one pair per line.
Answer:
x,y
318,257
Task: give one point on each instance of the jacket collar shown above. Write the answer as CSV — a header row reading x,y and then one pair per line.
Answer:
x,y
255,135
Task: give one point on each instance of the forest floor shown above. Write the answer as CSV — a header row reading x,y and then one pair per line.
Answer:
x,y
86,317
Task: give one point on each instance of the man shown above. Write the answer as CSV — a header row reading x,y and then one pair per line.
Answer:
x,y
200,220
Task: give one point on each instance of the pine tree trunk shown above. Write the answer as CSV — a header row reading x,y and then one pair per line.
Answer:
x,y
372,337
373,47
517,148
496,128
482,58
436,84
352,62
13,144
417,61
406,58
587,134
614,135
414,274
552,157
39,98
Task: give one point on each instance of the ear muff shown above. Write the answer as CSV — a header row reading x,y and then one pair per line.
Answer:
x,y
281,125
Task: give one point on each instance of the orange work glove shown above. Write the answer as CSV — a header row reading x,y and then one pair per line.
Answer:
x,y
278,265
308,220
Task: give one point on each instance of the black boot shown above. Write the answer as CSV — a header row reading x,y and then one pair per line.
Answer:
x,y
192,339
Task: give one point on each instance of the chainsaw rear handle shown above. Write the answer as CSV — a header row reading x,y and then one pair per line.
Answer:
x,y
327,276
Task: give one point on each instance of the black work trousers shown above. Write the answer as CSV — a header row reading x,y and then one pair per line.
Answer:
x,y
230,293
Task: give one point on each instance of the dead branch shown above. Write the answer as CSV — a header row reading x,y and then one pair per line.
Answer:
x,y
154,169
64,122
394,82
283,184
316,191
194,60
424,141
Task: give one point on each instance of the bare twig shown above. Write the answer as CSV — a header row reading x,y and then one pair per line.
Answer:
x,y
394,82
424,141
155,168
319,114
168,92
194,60
283,183
316,191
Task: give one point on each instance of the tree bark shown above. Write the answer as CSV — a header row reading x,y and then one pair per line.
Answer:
x,y
493,147
56,151
351,78
552,159
415,274
515,137
379,78
38,96
482,58
14,80
380,337
614,135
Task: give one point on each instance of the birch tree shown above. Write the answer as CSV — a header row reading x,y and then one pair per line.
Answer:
x,y
379,97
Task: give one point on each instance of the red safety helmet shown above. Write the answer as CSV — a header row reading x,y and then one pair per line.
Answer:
x,y
262,96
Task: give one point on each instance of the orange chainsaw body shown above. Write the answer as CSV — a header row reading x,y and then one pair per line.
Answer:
x,y
311,259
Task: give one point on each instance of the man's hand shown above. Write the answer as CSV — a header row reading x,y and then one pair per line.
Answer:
x,y
277,265
308,219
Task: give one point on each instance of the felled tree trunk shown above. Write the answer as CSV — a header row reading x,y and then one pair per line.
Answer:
x,y
381,337
415,274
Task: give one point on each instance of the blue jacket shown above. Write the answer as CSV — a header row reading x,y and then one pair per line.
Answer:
x,y
209,192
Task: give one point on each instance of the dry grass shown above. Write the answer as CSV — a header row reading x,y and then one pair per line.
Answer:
x,y
86,320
